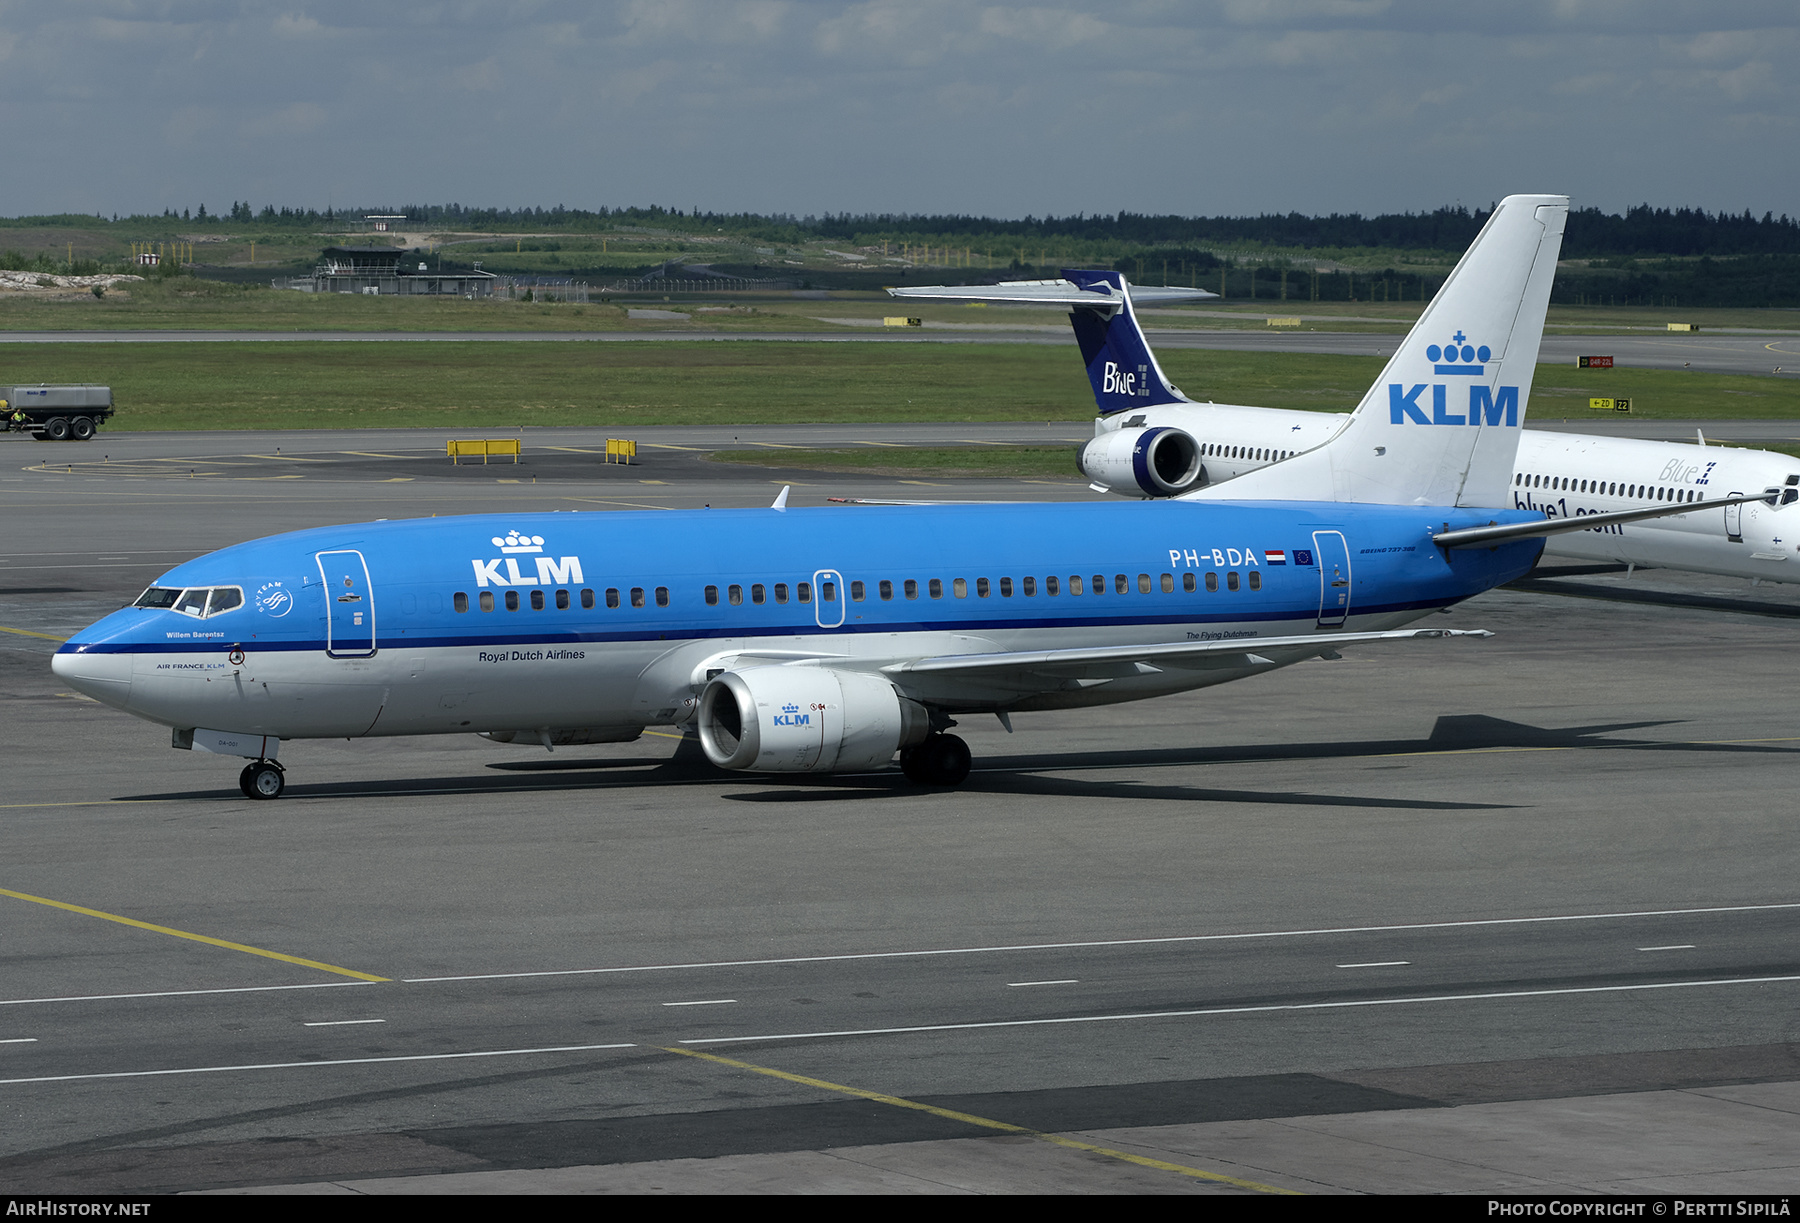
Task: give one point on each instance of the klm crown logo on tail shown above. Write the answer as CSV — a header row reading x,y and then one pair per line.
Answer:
x,y
1491,406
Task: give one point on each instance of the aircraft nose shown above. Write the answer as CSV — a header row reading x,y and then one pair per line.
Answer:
x,y
105,677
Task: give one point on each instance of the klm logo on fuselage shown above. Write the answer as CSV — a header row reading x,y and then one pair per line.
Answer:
x,y
1116,381
1487,405
550,571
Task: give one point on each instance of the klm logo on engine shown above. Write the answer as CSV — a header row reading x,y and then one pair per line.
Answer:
x,y
1486,405
1116,381
565,571
790,715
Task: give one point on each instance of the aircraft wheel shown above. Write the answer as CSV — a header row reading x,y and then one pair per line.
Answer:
x,y
262,779
57,428
942,760
82,429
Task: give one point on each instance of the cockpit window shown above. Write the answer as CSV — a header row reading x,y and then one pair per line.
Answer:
x,y
199,601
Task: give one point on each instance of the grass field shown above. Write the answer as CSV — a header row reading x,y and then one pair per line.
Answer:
x,y
306,385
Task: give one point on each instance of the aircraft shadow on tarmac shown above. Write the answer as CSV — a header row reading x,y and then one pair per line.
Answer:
x,y
1025,774
1557,582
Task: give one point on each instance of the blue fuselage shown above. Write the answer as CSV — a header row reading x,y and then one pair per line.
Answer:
x,y
560,620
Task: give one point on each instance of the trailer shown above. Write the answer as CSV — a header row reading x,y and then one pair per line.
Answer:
x,y
56,413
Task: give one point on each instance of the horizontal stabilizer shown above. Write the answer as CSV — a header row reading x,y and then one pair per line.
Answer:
x,y
1051,293
1489,536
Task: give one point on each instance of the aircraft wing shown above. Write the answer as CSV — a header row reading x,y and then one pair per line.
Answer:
x,y
1050,293
1100,661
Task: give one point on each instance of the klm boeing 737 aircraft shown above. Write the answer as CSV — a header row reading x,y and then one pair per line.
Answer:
x,y
822,640
1151,440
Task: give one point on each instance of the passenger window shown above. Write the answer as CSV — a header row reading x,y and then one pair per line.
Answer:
x,y
781,592
887,590
912,589
487,600
757,593
856,591
1143,583
1231,580
981,588
587,599
537,600
662,596
1099,586
803,590
1256,579
637,596
1030,585
1168,583
827,592
961,587
1050,585
712,596
1006,588
460,600
1212,582
937,588
735,594
512,600
1187,582
1074,584
612,596
1122,585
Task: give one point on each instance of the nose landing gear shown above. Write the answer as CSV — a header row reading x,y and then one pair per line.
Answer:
x,y
262,779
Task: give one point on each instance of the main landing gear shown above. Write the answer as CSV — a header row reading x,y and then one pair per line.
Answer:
x,y
941,760
262,779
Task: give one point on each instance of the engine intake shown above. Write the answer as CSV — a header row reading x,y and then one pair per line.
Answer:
x,y
804,719
1158,461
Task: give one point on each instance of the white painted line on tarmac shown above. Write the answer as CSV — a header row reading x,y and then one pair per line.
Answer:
x,y
19,1040
185,993
1022,984
338,1023
348,1061
1379,964
1242,1010
1670,947
1132,942
704,1002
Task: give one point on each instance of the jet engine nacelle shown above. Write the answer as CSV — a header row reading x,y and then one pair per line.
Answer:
x,y
1158,461
805,719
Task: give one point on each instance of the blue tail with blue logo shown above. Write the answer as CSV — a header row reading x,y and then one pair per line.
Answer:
x,y
1441,425
1119,361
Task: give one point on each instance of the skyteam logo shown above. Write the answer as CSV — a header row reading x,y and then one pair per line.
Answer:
x,y
1116,381
1458,350
274,600
790,715
512,545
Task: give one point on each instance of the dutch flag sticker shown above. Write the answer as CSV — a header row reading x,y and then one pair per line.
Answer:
x,y
1275,557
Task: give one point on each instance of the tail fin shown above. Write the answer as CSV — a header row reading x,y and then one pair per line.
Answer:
x,y
1118,358
1441,425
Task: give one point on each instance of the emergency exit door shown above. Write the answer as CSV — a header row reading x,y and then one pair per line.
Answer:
x,y
1334,577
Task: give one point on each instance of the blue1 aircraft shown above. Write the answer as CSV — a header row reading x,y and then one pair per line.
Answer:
x,y
1151,440
826,640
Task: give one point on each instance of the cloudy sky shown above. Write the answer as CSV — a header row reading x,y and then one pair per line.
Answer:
x,y
1208,107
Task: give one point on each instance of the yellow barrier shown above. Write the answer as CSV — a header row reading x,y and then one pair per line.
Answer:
x,y
1284,322
459,450
1616,405
897,320
1684,326
620,450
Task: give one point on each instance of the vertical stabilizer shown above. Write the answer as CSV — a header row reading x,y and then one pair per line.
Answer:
x,y
1119,361
1441,425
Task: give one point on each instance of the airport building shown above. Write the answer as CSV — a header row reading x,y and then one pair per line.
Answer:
x,y
381,271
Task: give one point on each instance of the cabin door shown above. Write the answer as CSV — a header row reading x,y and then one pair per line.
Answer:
x,y
1333,555
350,605
1734,519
